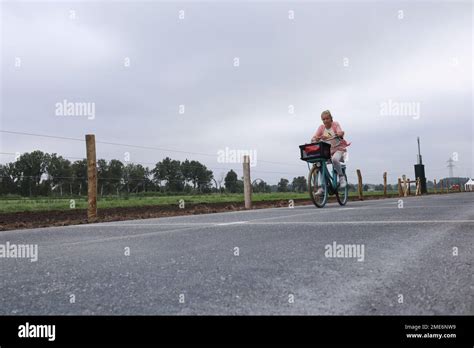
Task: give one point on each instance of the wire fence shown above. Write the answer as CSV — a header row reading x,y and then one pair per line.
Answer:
x,y
137,178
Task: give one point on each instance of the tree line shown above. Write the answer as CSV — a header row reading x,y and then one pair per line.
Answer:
x,y
43,174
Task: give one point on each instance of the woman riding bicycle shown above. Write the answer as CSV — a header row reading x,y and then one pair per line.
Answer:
x,y
330,131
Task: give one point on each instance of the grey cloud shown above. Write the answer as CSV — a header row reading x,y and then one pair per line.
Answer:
x,y
283,62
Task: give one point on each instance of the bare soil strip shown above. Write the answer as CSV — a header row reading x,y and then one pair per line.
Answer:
x,y
35,219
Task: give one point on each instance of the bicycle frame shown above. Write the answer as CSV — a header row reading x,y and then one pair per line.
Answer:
x,y
327,177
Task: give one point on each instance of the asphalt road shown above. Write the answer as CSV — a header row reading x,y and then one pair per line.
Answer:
x,y
190,264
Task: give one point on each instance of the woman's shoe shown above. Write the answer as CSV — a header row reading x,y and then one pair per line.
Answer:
x,y
342,182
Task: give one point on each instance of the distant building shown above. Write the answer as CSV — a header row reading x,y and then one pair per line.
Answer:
x,y
469,185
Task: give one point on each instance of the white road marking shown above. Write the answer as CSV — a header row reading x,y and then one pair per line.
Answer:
x,y
230,223
108,239
154,224
130,236
360,222
118,224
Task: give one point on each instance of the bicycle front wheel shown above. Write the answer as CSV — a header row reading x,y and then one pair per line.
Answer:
x,y
342,193
317,186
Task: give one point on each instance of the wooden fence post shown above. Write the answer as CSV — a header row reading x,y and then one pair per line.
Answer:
x,y
409,187
434,185
91,178
359,176
385,184
405,188
400,191
247,183
418,187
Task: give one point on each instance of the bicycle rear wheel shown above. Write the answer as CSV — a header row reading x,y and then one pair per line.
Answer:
x,y
342,193
317,188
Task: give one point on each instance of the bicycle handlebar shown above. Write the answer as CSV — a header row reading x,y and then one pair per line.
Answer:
x,y
334,137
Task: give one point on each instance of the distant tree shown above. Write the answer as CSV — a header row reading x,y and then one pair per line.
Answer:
x,y
299,184
261,186
8,179
102,173
187,171
378,187
79,176
198,174
230,182
39,173
283,185
113,178
169,170
134,176
59,172
30,168
240,186
204,177
147,182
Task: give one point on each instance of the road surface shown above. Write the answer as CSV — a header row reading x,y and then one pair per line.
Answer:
x,y
416,259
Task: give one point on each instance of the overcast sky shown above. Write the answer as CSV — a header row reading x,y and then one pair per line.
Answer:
x,y
353,58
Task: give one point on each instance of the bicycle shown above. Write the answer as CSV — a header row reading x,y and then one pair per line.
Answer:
x,y
319,154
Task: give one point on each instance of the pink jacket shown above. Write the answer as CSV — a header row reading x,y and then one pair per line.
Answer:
x,y
336,127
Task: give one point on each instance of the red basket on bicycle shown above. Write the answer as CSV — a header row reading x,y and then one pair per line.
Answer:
x,y
315,151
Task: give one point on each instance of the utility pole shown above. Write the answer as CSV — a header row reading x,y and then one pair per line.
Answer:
x,y
419,161
420,170
450,166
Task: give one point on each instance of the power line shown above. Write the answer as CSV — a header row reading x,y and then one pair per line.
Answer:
x,y
131,145
41,135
